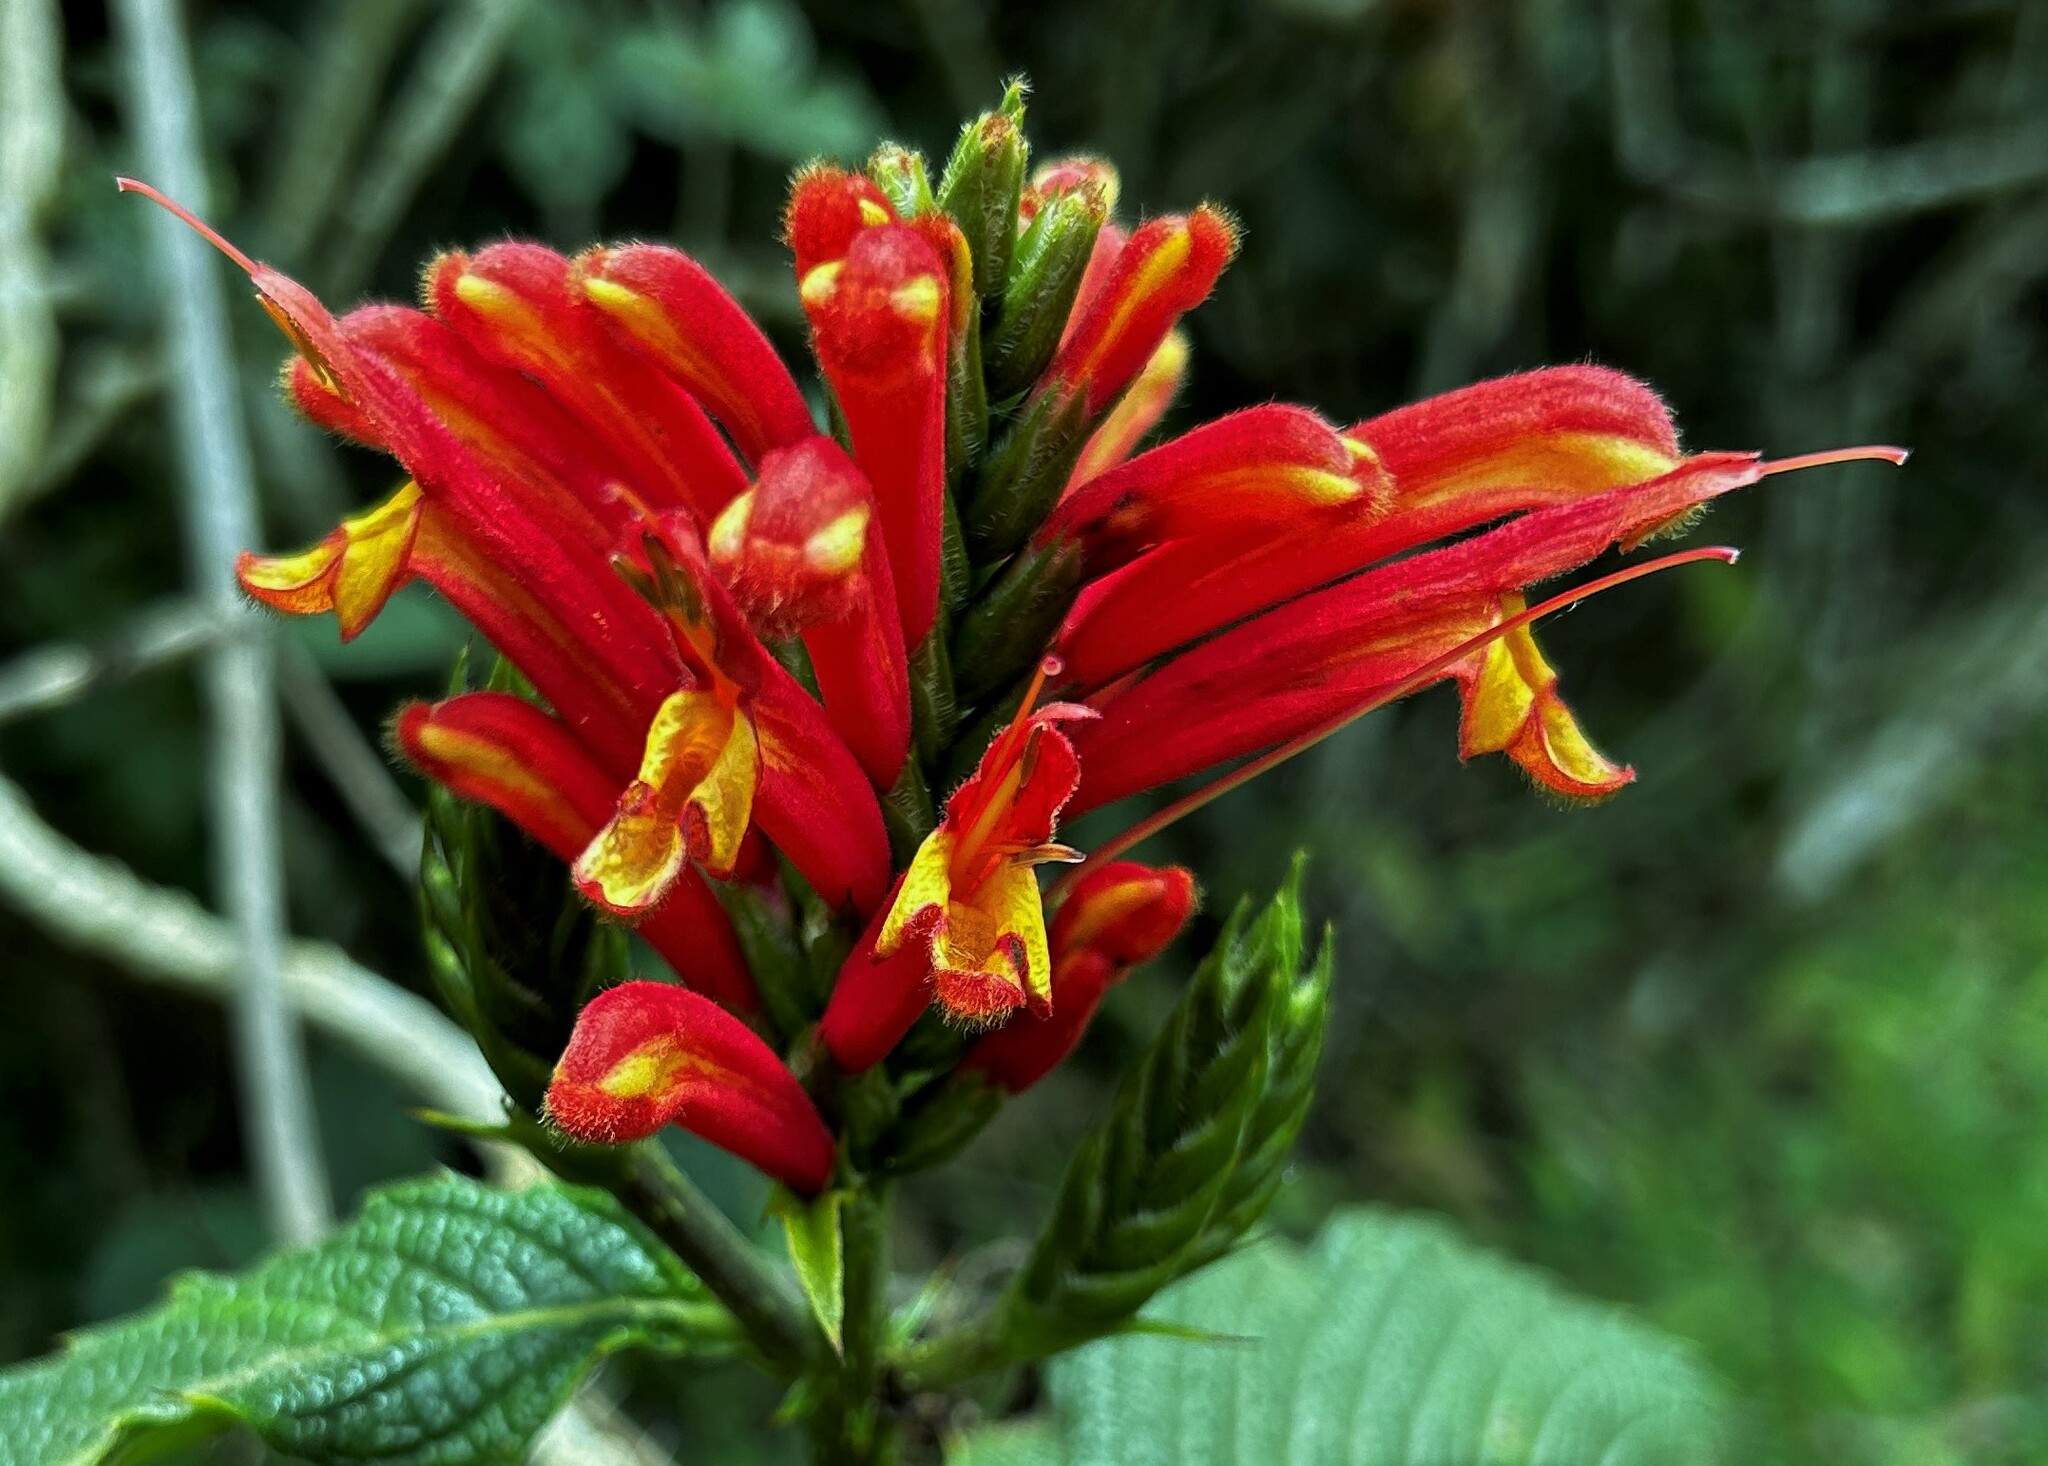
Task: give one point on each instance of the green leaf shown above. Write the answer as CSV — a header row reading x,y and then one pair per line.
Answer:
x,y
817,1248
444,1326
1011,1443
1388,1342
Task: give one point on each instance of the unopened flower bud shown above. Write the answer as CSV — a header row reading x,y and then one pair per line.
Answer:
x,y
790,549
828,207
981,187
900,173
1044,281
648,1054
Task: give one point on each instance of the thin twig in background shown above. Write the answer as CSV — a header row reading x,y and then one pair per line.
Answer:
x,y
221,520
106,387
456,64
164,936
345,74
351,762
56,676
31,151
51,677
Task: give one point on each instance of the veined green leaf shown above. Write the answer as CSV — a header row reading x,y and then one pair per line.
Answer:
x,y
443,1327
1389,1342
817,1248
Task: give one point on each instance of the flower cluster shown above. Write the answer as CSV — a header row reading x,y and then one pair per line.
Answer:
x,y
753,646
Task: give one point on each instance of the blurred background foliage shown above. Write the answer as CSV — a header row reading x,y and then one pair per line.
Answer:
x,y
1759,1048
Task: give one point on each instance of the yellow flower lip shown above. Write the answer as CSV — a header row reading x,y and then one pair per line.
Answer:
x,y
821,283
729,531
918,299
836,549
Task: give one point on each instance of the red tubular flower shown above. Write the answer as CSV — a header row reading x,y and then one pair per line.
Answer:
x,y
616,480
503,751
1117,917
1166,268
527,584
500,526
527,445
965,926
1353,644
646,1054
670,308
1455,462
880,318
802,555
520,306
1263,471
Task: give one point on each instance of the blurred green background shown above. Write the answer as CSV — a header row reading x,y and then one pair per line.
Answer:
x,y
1759,1049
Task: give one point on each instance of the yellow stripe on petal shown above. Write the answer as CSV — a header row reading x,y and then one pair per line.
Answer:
x,y
1137,412
1569,465
645,320
631,863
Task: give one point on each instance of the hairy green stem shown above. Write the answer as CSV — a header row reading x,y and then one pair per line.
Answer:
x,y
985,1343
778,1323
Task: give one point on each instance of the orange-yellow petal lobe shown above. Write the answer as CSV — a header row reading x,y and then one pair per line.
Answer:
x,y
1512,706
693,798
352,572
989,954
722,805
631,863
922,898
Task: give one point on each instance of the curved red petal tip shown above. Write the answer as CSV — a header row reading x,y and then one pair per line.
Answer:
x,y
1874,452
186,217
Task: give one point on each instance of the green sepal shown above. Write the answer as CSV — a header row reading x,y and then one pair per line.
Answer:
x,y
899,172
1006,628
981,186
817,1250
1045,277
938,1122
1026,472
764,922
966,404
934,712
1282,1111
955,573
514,952
795,659
824,936
1139,1194
907,813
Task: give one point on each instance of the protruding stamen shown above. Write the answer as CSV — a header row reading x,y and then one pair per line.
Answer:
x,y
189,219
1874,452
1429,672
